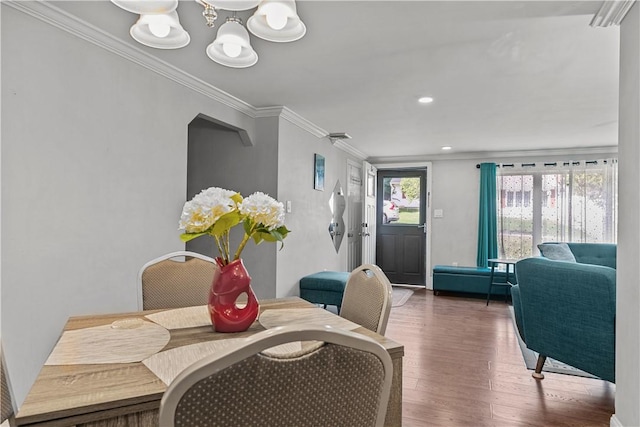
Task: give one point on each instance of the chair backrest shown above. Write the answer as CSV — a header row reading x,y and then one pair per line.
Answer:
x,y
178,279
7,408
346,381
367,298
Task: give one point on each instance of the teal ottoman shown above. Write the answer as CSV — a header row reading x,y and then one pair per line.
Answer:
x,y
325,287
474,280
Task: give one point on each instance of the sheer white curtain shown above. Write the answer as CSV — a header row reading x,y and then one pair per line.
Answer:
x,y
563,201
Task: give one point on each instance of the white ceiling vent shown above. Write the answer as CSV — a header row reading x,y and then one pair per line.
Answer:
x,y
338,136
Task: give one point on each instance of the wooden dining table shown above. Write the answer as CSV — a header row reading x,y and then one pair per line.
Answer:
x,y
112,369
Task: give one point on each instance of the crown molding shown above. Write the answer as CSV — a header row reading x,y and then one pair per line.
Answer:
x,y
274,111
291,117
52,15
59,18
302,123
479,155
611,12
350,149
297,120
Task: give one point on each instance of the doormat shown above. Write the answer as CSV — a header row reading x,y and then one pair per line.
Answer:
x,y
400,296
551,365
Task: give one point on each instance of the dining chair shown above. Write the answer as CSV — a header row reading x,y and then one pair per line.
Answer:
x,y
343,380
7,409
175,280
367,298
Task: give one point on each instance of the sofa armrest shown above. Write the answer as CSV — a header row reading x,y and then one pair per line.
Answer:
x,y
568,312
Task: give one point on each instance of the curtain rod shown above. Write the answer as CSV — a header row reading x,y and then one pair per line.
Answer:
x,y
530,165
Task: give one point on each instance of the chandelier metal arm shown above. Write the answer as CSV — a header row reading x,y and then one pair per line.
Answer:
x,y
209,13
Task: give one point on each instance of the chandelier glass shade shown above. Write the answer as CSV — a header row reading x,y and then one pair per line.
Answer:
x,y
277,21
273,20
232,47
160,31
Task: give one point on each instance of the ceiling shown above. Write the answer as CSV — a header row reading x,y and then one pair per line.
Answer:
x,y
505,75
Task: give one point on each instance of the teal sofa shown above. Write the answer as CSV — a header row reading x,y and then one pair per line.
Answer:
x,y
567,310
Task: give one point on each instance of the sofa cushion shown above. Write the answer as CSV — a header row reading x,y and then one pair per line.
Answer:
x,y
595,253
557,251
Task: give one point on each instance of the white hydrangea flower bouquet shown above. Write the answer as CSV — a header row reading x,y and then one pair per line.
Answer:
x,y
215,211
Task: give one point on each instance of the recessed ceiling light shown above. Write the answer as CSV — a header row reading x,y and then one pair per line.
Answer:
x,y
446,147
425,100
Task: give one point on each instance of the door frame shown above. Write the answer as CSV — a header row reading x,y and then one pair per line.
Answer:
x,y
369,228
429,167
349,211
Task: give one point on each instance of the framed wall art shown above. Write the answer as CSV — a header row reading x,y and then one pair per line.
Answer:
x,y
318,172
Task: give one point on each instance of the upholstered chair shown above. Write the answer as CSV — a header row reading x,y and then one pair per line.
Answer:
x,y
367,298
343,380
175,280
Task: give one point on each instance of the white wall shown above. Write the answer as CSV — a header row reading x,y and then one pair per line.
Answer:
x,y
94,177
455,190
628,280
94,154
308,248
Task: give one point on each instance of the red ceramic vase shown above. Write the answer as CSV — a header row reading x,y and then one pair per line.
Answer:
x,y
229,282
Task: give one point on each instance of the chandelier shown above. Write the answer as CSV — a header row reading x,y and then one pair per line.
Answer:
x,y
159,26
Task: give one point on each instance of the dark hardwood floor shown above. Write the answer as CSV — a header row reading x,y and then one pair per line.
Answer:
x,y
463,367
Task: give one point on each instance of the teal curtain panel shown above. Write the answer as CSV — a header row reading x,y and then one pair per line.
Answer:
x,y
487,217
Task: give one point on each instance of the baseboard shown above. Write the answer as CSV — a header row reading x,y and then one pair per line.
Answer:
x,y
615,422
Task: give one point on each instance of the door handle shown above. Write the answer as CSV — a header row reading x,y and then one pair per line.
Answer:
x,y
349,234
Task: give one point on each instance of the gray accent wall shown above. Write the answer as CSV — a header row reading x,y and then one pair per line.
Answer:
x,y
217,157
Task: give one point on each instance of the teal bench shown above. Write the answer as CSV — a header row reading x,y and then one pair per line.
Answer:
x,y
472,280
325,287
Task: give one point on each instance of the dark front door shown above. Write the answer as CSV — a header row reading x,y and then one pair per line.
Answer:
x,y
401,234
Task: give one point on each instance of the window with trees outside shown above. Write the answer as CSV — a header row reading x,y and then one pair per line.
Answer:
x,y
558,202
401,197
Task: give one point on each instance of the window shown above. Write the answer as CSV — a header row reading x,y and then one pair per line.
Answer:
x,y
575,202
401,203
